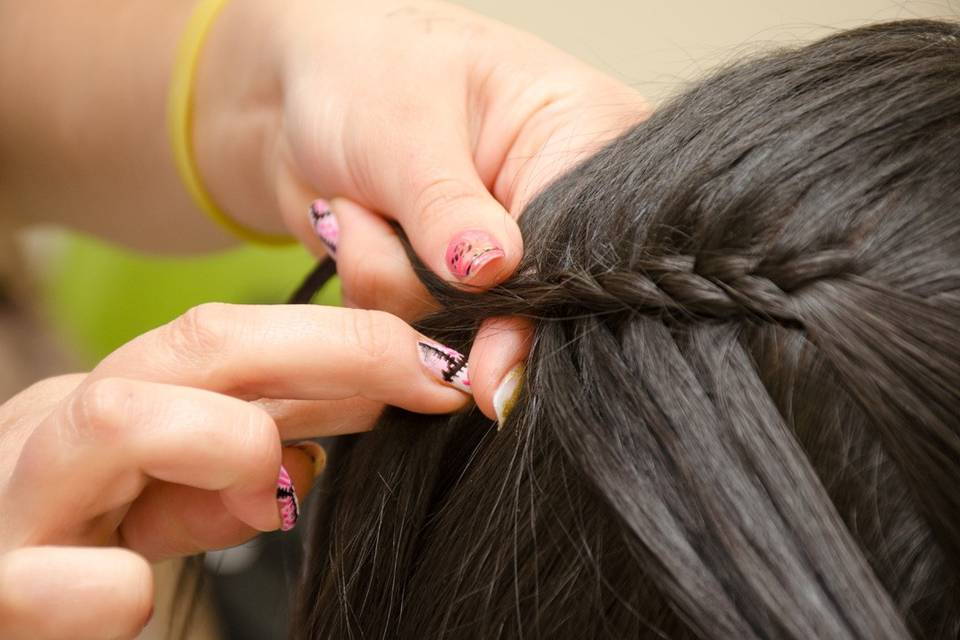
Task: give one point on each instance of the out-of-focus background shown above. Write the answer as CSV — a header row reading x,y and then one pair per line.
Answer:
x,y
67,300
656,45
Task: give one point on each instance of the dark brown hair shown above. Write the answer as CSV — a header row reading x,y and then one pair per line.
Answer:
x,y
740,417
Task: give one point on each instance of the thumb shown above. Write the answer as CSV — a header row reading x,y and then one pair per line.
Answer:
x,y
75,592
455,225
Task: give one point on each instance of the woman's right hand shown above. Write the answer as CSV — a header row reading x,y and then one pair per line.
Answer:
x,y
173,445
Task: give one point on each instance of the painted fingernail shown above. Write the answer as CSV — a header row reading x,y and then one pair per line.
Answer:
x,y
316,453
287,501
505,397
444,364
324,224
471,251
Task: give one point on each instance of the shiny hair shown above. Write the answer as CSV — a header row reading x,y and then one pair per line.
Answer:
x,y
740,413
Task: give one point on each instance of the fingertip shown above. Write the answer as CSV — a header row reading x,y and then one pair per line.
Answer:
x,y
256,509
302,463
140,587
441,398
353,210
171,520
502,345
60,592
316,454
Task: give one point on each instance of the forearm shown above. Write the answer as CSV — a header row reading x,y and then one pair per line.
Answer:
x,y
83,134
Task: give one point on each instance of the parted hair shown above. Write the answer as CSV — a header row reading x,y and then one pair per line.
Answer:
x,y
741,414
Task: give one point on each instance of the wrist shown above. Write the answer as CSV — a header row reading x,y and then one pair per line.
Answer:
x,y
237,113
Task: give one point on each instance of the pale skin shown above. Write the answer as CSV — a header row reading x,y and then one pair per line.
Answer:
x,y
417,112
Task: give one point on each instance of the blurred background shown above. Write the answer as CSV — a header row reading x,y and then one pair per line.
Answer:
x,y
67,300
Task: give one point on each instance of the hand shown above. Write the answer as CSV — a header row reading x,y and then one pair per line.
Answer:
x,y
421,112
172,445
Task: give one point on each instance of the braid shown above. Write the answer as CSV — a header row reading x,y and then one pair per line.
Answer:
x,y
739,416
716,286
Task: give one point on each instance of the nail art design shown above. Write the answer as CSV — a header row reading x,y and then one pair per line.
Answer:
x,y
324,223
470,251
505,397
287,500
445,364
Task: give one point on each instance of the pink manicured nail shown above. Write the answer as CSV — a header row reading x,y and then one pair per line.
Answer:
x,y
287,500
445,364
470,251
325,225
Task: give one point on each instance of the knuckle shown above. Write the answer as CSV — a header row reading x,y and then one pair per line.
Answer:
x,y
199,333
363,279
372,333
440,195
21,413
100,409
257,440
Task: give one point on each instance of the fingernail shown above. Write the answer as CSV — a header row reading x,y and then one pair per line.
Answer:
x,y
287,501
505,397
444,364
471,251
316,453
324,224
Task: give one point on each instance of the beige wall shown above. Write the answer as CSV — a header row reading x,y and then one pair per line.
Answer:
x,y
654,44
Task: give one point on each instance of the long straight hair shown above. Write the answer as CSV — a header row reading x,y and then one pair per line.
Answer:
x,y
740,414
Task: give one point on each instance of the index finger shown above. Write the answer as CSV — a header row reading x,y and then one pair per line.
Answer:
x,y
299,352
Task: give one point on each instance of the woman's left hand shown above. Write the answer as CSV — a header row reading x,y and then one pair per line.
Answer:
x,y
418,111
422,112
